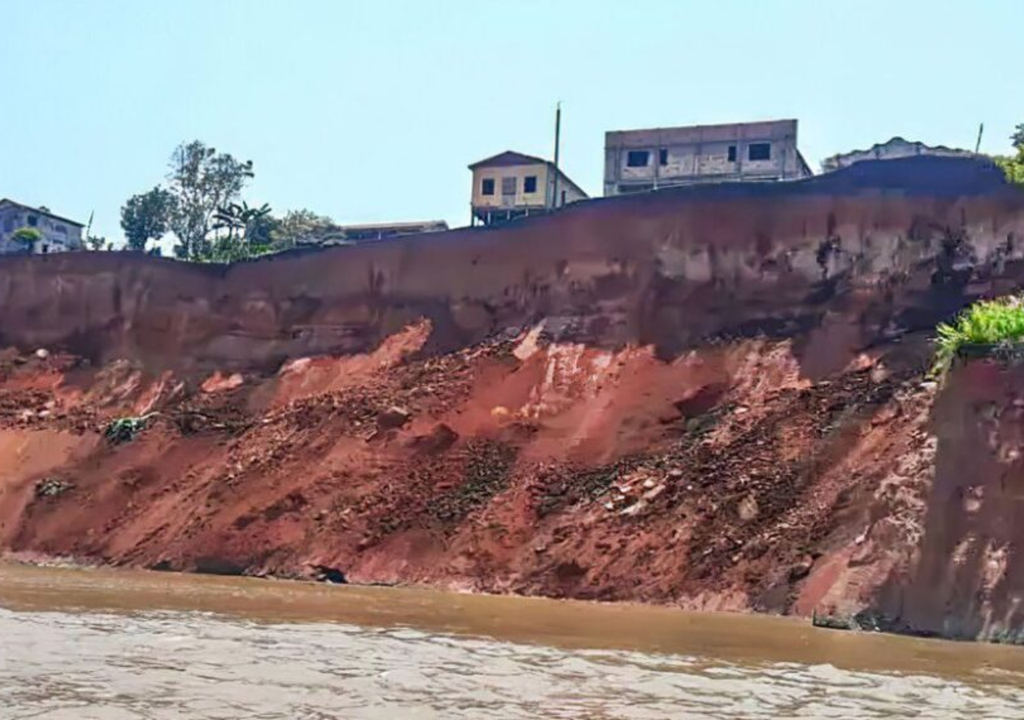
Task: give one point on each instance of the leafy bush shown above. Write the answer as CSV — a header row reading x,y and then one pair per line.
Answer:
x,y
28,235
125,429
987,323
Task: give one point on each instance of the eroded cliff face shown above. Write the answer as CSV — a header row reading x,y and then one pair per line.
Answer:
x,y
839,261
964,575
713,398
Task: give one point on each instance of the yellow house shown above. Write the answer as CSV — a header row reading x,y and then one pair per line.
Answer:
x,y
512,185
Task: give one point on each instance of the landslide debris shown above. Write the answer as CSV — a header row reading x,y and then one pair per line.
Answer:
x,y
732,491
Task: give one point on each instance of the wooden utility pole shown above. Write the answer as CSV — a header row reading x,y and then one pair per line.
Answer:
x,y
977,145
558,131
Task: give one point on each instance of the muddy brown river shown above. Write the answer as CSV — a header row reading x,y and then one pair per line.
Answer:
x,y
118,645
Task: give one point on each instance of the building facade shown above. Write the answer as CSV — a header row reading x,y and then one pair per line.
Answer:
x,y
513,185
58,233
643,160
891,150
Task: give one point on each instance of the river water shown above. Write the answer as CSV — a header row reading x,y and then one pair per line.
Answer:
x,y
120,645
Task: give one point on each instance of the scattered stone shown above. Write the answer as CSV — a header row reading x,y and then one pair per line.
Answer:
x,y
52,487
636,508
747,509
220,383
801,568
440,438
392,418
331,575
42,353
653,493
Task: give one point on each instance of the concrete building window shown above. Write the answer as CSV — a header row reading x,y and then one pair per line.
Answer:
x,y
33,220
663,156
637,158
8,223
60,229
508,186
487,187
732,153
759,151
530,184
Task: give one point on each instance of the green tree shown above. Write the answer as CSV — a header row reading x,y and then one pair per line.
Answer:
x,y
1018,137
1013,165
202,181
242,232
147,217
28,236
296,226
96,243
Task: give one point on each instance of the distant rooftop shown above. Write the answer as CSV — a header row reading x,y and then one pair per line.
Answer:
x,y
362,232
509,158
406,225
722,132
43,210
896,147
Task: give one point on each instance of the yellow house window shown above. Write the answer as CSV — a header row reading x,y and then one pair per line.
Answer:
x,y
530,184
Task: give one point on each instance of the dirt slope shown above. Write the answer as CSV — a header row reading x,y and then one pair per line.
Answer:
x,y
515,465
715,399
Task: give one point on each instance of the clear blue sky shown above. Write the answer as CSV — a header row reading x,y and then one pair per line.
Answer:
x,y
370,111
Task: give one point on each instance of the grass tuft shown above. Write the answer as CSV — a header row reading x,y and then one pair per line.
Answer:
x,y
989,322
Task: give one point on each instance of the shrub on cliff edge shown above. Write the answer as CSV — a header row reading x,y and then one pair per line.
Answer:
x,y
989,324
27,236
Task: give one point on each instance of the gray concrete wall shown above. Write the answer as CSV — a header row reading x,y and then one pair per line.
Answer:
x,y
701,154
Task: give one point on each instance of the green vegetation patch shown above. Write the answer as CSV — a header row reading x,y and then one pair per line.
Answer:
x,y
987,328
125,429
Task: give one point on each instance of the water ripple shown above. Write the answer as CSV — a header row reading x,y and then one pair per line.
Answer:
x,y
177,665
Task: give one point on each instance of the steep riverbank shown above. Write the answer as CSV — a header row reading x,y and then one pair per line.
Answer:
x,y
714,399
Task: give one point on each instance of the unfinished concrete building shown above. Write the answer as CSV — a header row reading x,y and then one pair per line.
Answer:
x,y
642,160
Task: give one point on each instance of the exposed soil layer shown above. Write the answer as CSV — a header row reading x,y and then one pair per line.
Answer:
x,y
692,398
511,466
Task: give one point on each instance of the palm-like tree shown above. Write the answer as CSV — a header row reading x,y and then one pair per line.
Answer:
x,y
240,220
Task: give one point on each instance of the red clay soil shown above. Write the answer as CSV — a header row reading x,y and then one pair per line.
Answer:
x,y
714,399
721,479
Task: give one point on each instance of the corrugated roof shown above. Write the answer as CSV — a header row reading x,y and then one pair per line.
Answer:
x,y
41,211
